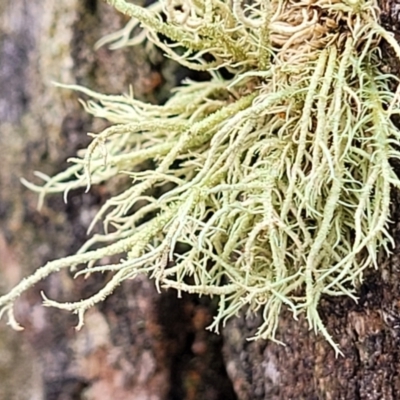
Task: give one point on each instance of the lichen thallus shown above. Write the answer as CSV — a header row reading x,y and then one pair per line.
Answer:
x,y
280,176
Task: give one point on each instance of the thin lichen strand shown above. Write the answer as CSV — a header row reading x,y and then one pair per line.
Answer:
x,y
279,179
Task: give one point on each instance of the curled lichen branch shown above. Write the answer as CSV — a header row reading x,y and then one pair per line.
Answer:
x,y
276,182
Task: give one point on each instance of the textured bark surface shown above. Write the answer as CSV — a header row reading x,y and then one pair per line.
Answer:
x,y
138,345
306,368
368,332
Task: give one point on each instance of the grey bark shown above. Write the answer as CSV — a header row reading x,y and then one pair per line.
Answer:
x,y
139,344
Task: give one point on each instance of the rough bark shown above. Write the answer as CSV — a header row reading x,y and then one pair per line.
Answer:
x,y
139,344
368,332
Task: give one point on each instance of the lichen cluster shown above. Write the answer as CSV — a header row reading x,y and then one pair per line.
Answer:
x,y
276,180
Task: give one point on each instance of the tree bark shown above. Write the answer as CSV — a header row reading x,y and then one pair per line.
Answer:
x,y
368,332
140,344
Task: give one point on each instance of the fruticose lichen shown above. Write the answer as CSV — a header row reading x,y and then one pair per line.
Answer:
x,y
278,177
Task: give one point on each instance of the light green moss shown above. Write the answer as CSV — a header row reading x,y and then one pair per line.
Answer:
x,y
280,176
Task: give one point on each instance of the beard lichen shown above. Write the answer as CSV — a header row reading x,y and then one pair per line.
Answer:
x,y
278,178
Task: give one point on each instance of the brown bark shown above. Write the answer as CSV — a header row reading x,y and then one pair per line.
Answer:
x,y
368,332
139,344
306,367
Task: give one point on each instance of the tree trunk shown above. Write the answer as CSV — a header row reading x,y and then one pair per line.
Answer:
x,y
140,344
368,332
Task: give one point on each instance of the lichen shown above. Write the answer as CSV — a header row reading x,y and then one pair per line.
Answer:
x,y
278,177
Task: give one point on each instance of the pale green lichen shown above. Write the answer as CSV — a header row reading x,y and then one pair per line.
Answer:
x,y
279,178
